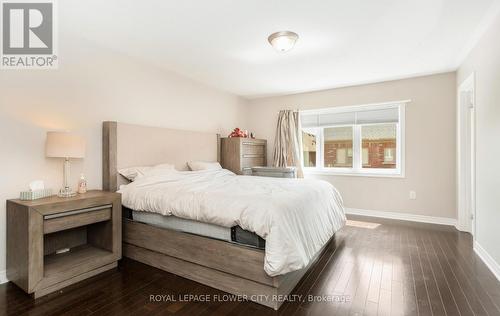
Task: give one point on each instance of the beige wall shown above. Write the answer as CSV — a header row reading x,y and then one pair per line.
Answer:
x,y
93,85
484,60
430,142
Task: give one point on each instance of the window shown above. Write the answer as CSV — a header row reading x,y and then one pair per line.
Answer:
x,y
361,140
337,147
309,147
379,140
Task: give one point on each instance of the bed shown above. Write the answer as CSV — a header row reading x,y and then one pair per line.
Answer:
x,y
185,222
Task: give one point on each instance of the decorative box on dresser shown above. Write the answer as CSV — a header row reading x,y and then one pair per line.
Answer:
x,y
240,154
84,230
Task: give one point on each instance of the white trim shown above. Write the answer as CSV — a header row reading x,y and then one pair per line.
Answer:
x,y
3,277
357,147
348,172
356,107
403,216
401,139
465,223
487,259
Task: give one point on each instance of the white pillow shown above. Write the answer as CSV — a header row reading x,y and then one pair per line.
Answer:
x,y
203,165
133,173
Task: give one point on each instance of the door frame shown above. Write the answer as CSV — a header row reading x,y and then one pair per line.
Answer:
x,y
466,105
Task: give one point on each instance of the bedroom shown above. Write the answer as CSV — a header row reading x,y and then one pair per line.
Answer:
x,y
392,104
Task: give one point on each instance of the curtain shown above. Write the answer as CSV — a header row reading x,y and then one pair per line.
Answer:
x,y
288,141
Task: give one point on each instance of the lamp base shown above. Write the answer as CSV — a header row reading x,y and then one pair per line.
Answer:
x,y
66,193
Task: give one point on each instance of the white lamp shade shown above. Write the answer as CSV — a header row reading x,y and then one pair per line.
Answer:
x,y
64,145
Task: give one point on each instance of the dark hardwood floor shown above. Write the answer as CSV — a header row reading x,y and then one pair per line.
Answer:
x,y
374,267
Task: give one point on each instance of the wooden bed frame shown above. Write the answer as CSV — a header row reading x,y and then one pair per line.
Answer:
x,y
222,265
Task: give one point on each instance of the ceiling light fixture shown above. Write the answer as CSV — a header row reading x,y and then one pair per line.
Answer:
x,y
283,41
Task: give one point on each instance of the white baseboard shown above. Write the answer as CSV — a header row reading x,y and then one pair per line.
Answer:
x,y
403,216
487,259
3,277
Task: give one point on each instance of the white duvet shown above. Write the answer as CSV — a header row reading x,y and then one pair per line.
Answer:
x,y
296,217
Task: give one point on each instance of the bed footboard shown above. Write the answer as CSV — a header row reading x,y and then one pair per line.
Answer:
x,y
219,264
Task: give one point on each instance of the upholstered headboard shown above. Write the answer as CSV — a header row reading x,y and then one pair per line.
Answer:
x,y
128,145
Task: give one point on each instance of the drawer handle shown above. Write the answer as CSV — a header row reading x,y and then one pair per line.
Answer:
x,y
253,156
75,212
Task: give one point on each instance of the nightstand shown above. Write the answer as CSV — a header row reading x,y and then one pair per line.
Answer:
x,y
54,242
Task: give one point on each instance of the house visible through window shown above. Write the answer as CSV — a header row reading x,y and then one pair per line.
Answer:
x,y
338,145
359,139
309,147
379,140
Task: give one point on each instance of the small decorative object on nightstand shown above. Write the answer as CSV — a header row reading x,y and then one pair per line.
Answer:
x,y
36,190
82,184
54,242
65,145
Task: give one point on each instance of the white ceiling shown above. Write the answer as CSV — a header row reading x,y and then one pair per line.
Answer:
x,y
223,43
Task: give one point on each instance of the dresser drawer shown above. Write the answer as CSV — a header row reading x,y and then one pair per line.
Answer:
x,y
252,162
76,218
253,149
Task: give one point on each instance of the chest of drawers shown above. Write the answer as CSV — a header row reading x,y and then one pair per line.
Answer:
x,y
241,154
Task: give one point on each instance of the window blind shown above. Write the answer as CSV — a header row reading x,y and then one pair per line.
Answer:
x,y
372,116
389,115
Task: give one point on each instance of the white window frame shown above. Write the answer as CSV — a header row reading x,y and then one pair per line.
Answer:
x,y
357,169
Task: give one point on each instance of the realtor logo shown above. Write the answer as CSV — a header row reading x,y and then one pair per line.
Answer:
x,y
28,35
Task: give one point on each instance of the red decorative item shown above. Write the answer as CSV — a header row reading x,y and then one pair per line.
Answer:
x,y
238,133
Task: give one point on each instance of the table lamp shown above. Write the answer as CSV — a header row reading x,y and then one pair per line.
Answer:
x,y
65,145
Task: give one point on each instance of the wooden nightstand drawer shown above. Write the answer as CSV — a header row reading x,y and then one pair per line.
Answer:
x,y
71,219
